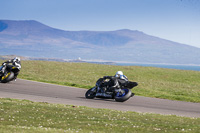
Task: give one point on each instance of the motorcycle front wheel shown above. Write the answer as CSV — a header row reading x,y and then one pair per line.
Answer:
x,y
123,95
8,77
90,94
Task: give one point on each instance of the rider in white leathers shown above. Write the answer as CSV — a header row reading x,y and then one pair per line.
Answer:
x,y
16,63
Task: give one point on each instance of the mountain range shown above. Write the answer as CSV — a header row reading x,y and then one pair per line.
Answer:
x,y
33,39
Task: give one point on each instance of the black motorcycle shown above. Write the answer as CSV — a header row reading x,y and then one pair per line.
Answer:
x,y
120,92
7,73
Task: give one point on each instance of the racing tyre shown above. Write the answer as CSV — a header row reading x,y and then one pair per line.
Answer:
x,y
8,77
90,94
123,96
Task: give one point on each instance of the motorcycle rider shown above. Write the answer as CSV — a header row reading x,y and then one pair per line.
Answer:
x,y
15,63
116,80
120,76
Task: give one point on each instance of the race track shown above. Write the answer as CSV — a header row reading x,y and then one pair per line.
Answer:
x,y
43,92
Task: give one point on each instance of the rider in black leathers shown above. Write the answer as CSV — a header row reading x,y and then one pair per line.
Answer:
x,y
116,81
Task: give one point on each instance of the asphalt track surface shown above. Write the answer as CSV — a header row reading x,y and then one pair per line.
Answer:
x,y
43,92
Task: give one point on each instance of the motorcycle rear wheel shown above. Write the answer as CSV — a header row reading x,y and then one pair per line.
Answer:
x,y
90,94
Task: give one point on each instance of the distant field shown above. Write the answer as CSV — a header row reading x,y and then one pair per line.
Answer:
x,y
153,82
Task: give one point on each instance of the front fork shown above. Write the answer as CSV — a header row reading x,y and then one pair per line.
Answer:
x,y
119,92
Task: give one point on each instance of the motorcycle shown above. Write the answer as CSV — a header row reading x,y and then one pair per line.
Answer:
x,y
121,92
7,73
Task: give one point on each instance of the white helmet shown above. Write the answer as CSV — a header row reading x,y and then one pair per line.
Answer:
x,y
118,74
16,59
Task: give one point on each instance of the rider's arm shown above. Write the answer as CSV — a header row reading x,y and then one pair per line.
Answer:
x,y
107,77
9,61
114,81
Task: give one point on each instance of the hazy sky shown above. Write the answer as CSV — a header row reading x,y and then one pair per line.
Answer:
x,y
175,20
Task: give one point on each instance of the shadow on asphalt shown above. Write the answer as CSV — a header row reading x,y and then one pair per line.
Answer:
x,y
98,99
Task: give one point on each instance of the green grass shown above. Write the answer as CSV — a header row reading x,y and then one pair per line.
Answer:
x,y
26,116
171,84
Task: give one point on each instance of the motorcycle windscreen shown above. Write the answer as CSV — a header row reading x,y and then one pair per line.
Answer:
x,y
131,84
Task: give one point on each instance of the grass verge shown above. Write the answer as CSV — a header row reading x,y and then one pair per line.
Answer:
x,y
26,116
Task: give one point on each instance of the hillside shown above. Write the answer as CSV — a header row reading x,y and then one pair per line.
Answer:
x,y
34,39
